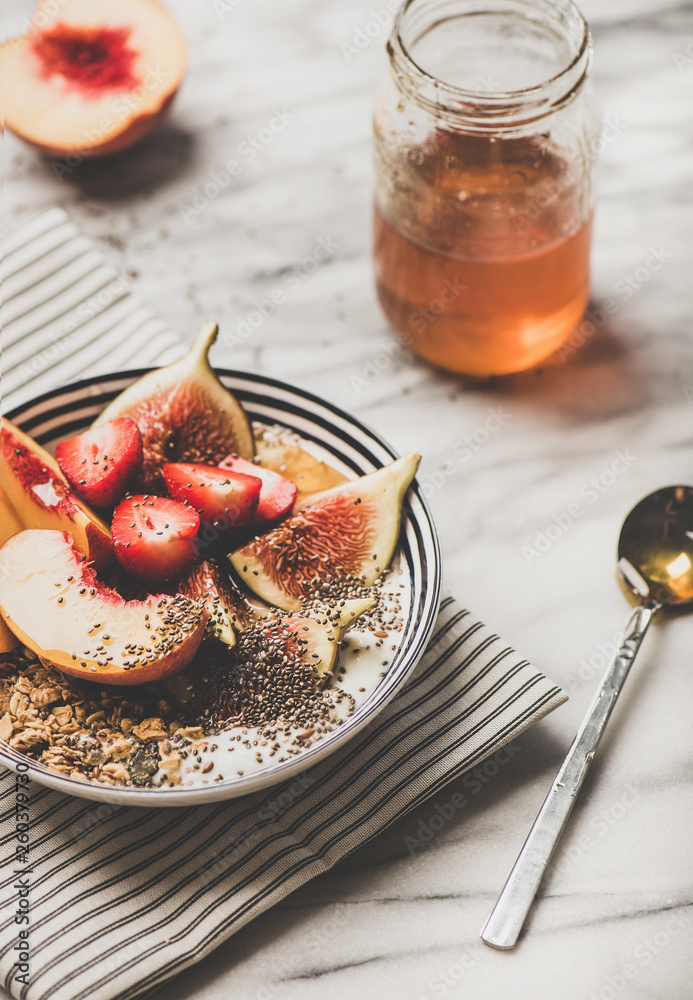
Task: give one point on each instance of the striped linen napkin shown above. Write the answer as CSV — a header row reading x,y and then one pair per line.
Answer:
x,y
66,313
123,898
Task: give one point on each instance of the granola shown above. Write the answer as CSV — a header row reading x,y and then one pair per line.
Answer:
x,y
87,732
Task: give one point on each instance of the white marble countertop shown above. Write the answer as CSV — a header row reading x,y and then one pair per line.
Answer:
x,y
611,919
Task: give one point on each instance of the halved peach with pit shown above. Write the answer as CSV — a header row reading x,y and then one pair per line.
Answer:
x,y
91,77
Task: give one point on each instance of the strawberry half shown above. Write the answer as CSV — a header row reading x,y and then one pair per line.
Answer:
x,y
223,499
155,538
277,496
99,463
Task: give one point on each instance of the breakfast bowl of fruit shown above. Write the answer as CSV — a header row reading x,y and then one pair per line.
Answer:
x,y
209,581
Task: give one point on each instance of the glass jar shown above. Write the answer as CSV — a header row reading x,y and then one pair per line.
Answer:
x,y
485,133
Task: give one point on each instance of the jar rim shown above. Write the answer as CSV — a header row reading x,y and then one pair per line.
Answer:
x,y
497,109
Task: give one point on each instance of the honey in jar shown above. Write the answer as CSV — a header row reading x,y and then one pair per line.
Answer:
x,y
483,204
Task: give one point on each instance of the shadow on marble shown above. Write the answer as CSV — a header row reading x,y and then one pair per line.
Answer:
x,y
597,377
160,158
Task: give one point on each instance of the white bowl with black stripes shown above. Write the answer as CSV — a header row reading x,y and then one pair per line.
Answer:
x,y
354,448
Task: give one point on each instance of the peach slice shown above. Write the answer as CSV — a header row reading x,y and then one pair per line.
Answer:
x,y
9,525
54,603
310,474
91,77
8,640
9,522
42,497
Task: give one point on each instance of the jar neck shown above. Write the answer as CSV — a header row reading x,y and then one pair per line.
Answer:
x,y
488,109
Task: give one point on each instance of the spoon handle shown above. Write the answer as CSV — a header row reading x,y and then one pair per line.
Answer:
x,y
505,923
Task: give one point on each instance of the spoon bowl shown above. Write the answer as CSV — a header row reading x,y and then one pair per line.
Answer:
x,y
655,547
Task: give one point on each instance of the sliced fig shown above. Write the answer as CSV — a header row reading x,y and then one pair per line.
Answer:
x,y
279,654
56,605
316,642
42,497
349,531
184,414
227,610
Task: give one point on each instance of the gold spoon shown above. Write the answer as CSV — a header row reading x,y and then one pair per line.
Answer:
x,y
655,562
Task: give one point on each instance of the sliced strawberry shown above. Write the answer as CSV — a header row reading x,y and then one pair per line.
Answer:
x,y
224,499
155,538
277,496
99,463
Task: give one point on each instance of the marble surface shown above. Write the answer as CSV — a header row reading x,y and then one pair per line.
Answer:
x,y
400,918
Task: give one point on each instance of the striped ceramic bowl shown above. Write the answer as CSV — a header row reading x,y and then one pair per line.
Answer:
x,y
353,448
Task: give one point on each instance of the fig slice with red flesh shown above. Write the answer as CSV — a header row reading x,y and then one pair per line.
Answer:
x,y
9,525
347,532
42,497
55,604
184,414
227,610
91,77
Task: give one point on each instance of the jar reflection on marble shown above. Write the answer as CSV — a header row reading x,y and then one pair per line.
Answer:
x,y
485,134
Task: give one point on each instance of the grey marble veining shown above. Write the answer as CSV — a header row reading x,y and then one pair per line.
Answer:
x,y
401,917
